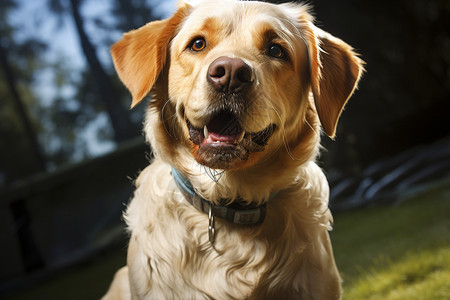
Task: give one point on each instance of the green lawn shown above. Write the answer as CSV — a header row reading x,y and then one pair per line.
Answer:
x,y
385,252
396,252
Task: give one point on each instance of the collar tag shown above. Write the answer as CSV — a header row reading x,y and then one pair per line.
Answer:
x,y
250,216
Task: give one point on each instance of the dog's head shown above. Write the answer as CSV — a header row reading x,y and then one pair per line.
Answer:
x,y
235,83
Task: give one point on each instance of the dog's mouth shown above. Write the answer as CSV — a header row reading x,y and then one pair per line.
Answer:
x,y
223,143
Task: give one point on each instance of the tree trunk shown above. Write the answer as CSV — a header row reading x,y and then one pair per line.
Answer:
x,y
119,118
35,149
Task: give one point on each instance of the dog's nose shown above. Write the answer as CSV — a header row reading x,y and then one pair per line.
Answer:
x,y
230,75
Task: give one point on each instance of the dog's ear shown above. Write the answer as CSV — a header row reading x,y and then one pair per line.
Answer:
x,y
335,72
140,55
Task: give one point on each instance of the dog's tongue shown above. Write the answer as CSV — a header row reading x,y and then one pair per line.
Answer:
x,y
223,128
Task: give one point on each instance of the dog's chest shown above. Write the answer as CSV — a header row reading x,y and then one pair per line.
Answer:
x,y
191,263
173,243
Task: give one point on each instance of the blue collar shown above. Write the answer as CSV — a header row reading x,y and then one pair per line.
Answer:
x,y
235,213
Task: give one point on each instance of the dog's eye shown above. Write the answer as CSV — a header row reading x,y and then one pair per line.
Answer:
x,y
276,51
198,44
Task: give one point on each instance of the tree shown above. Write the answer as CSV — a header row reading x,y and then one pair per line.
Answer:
x,y
29,132
106,90
20,152
120,122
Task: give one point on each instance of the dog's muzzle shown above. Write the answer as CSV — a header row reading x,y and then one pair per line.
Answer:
x,y
222,141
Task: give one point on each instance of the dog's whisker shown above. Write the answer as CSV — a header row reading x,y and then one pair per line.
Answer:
x,y
162,117
174,124
285,140
310,126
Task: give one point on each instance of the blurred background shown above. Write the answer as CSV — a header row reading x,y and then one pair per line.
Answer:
x,y
70,148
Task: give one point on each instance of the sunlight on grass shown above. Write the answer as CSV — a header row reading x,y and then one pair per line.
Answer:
x,y
396,252
418,276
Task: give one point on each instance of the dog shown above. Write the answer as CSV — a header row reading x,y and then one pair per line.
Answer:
x,y
233,205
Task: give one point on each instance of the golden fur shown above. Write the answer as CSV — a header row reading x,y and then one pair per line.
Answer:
x,y
296,93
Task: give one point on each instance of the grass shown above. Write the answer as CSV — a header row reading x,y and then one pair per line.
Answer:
x,y
384,252
418,276
396,252
89,280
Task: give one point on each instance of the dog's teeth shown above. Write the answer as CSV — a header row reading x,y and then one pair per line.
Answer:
x,y
205,132
241,137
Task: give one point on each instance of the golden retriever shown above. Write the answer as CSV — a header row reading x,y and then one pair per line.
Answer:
x,y
233,205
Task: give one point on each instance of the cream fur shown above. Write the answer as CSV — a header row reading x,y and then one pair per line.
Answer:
x,y
289,256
